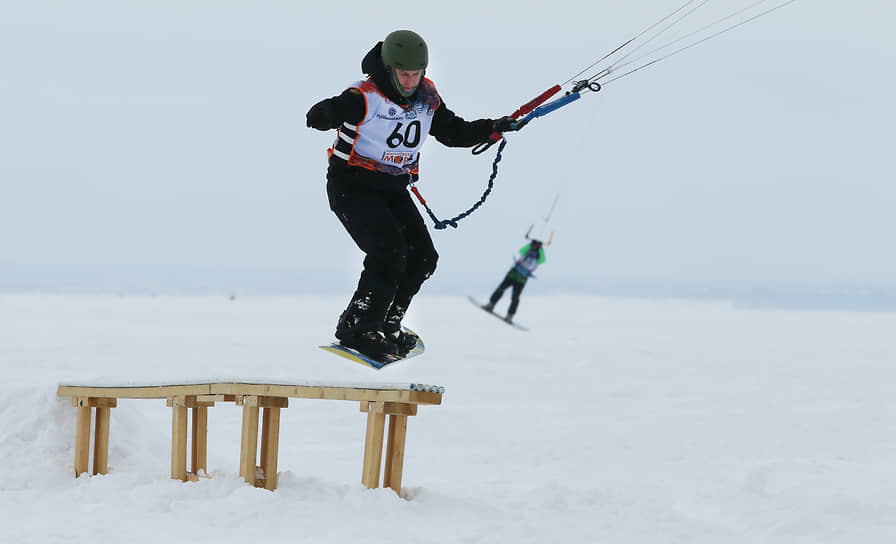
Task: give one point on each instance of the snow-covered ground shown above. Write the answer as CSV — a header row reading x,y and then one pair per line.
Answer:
x,y
612,420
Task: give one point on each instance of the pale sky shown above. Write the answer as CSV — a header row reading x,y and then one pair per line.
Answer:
x,y
161,146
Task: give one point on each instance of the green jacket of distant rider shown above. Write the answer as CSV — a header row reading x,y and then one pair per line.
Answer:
x,y
531,255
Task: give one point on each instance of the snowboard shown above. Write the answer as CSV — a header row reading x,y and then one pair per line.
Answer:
x,y
480,306
376,363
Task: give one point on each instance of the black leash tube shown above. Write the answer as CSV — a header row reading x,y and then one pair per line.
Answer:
x,y
442,224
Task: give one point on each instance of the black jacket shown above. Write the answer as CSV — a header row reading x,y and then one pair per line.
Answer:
x,y
448,128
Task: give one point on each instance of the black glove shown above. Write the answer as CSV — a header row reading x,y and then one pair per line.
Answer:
x,y
321,116
505,124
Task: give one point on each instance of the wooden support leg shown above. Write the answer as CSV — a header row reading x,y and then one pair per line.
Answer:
x,y
101,441
398,413
179,443
199,442
398,425
249,443
85,406
82,440
270,438
373,445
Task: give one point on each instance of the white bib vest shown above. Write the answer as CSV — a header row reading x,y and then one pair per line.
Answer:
x,y
389,137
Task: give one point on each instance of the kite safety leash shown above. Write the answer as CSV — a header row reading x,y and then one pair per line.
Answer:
x,y
531,109
442,224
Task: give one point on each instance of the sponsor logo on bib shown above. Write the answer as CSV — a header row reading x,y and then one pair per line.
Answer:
x,y
397,157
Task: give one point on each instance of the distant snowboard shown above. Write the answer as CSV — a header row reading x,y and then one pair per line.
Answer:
x,y
377,363
480,306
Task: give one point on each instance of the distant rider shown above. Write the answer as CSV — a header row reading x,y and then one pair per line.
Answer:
x,y
531,255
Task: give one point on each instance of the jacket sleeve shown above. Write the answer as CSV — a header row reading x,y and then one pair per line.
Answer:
x,y
453,131
348,107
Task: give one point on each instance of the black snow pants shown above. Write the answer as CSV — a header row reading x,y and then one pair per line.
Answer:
x,y
377,211
517,287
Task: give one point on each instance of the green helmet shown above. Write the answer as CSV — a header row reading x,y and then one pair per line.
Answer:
x,y
405,50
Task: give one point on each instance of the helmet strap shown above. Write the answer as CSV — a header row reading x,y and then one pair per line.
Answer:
x,y
397,86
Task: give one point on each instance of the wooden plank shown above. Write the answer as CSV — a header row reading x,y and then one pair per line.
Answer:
x,y
396,408
329,393
82,441
136,392
246,400
179,443
249,443
199,439
270,441
93,402
373,448
190,401
398,426
101,441
214,398
261,390
261,402
273,402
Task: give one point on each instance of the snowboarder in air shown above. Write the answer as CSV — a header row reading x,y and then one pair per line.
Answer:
x,y
381,123
531,255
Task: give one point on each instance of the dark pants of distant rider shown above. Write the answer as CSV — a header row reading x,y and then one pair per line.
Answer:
x,y
514,295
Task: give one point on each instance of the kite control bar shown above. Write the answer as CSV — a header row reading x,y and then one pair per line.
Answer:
x,y
522,110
